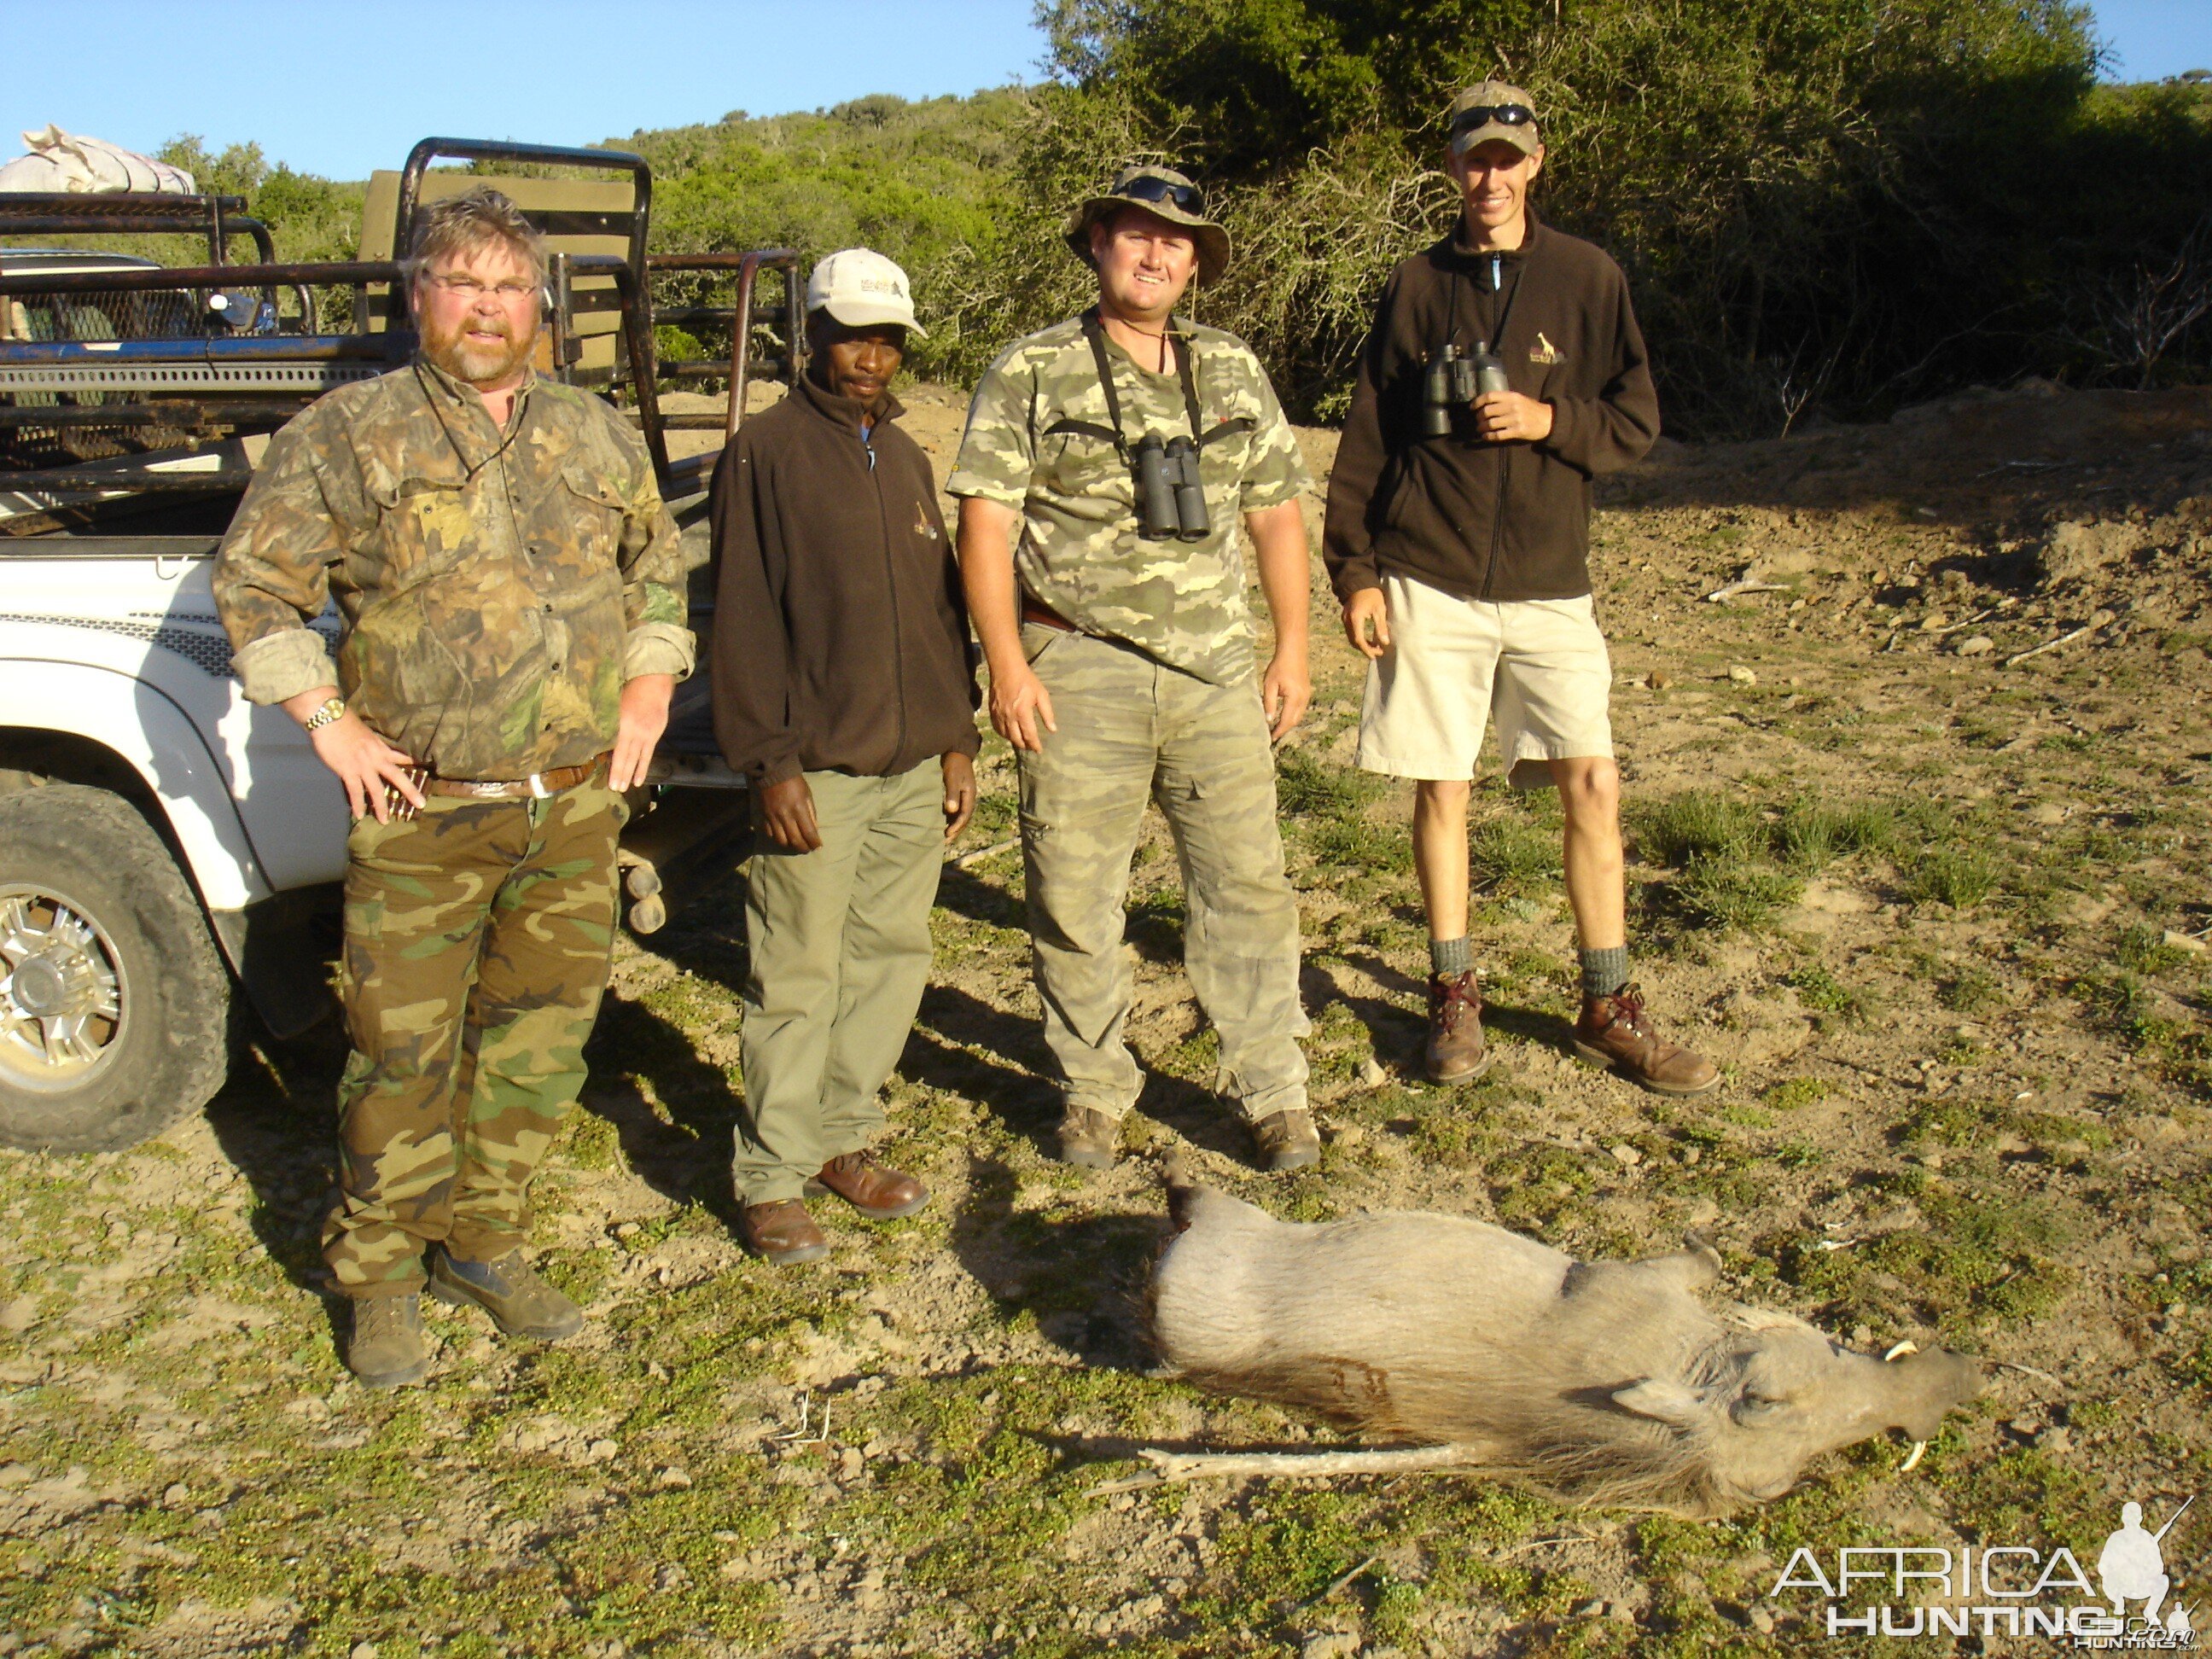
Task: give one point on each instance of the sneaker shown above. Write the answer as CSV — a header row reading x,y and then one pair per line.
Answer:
x,y
877,1191
1089,1137
781,1231
1288,1139
1616,1034
1457,1050
519,1302
385,1347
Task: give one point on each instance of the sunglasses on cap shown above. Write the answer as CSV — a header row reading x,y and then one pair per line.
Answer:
x,y
1506,115
1184,197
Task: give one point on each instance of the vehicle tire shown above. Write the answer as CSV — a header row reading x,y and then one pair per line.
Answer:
x,y
114,1004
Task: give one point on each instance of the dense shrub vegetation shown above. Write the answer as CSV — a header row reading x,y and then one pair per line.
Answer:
x,y
1822,203
1826,207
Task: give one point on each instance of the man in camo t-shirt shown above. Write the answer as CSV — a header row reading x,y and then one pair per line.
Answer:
x,y
1119,644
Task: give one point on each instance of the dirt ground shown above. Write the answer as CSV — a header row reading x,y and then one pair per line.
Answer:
x,y
1920,835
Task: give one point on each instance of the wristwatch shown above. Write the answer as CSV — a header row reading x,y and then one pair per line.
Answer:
x,y
322,717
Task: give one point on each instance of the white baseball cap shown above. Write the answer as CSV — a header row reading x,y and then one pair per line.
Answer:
x,y
858,286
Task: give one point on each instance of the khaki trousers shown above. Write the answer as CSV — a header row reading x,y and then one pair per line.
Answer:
x,y
839,948
1132,729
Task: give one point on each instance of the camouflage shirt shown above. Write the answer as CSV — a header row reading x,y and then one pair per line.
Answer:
x,y
497,587
1079,554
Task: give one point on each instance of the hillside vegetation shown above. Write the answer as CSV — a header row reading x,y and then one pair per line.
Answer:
x,y
1826,208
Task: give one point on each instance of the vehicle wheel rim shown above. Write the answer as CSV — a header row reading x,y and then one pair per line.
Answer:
x,y
63,1001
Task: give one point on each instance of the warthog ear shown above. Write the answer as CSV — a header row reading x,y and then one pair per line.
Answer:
x,y
1669,1403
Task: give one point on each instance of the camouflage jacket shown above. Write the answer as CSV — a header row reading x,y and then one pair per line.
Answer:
x,y
496,588
1180,602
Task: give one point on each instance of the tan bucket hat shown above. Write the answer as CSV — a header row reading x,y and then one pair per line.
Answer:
x,y
1492,109
1164,193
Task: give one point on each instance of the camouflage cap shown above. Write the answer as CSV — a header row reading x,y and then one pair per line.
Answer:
x,y
1165,194
1492,109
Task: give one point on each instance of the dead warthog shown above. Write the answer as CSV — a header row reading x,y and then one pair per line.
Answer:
x,y
1606,1382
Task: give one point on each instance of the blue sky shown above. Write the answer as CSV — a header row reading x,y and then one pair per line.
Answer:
x,y
316,89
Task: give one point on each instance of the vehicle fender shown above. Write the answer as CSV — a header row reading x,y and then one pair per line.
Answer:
x,y
141,723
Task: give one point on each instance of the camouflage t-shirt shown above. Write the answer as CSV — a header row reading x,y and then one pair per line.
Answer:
x,y
497,587
1080,553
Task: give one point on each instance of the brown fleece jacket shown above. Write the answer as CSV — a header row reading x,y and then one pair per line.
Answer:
x,y
840,640
1487,521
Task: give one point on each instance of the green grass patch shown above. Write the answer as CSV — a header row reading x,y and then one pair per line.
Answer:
x,y
1795,1094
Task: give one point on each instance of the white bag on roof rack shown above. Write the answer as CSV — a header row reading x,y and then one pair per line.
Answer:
x,y
65,163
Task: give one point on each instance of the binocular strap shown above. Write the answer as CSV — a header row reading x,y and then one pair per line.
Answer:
x,y
1186,366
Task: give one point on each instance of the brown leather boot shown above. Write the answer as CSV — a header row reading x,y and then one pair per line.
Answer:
x,y
880,1192
1089,1138
1457,1050
385,1348
1288,1139
1615,1033
519,1302
782,1232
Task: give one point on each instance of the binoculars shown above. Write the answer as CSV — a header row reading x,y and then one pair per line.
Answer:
x,y
1452,379
1170,493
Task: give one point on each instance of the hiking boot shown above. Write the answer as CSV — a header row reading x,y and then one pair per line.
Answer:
x,y
781,1231
1089,1137
1615,1033
385,1348
519,1302
880,1192
1288,1139
1457,1051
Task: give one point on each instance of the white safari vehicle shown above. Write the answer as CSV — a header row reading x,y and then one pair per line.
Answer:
x,y
161,839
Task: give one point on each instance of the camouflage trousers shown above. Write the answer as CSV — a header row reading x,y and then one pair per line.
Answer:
x,y
1129,729
477,942
838,951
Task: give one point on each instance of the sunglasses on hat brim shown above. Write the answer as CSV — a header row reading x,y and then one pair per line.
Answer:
x,y
1185,198
1505,115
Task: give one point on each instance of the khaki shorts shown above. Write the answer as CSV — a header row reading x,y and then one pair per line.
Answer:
x,y
1539,665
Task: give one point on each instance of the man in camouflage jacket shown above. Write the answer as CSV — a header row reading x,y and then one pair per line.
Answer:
x,y
1120,656
513,603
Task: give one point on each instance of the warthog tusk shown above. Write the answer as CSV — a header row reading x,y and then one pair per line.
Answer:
x,y
1919,1447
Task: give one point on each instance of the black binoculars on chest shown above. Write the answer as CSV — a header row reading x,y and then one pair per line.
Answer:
x,y
1452,380
1171,491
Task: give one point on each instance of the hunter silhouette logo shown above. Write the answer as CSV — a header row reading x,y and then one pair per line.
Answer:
x,y
2003,1589
2132,1568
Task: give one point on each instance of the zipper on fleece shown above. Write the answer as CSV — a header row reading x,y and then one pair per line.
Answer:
x,y
891,582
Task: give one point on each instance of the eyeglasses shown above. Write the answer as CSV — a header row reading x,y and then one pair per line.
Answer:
x,y
1506,115
469,290
1149,189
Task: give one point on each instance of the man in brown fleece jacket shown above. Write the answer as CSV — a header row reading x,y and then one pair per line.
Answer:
x,y
1457,539
844,687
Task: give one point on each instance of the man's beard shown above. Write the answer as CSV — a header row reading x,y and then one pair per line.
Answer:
x,y
480,365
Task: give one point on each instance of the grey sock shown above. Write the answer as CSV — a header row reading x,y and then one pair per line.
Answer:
x,y
1604,972
1450,956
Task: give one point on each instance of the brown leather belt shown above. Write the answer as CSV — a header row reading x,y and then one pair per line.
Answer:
x,y
536,787
1034,612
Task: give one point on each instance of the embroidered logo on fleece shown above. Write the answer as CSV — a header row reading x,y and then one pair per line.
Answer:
x,y
921,524
1543,351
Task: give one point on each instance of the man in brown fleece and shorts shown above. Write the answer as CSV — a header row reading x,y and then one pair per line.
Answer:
x,y
1458,538
844,687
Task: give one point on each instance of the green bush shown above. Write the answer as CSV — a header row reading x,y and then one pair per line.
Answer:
x,y
1836,204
